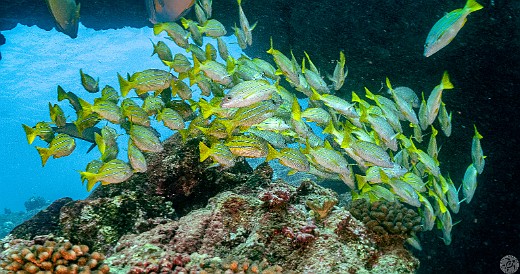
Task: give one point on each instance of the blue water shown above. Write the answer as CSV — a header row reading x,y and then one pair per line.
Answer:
x,y
34,62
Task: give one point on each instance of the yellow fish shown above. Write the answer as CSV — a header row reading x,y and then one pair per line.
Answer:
x,y
66,15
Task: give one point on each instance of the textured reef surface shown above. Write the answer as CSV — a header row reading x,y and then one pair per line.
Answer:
x,y
236,220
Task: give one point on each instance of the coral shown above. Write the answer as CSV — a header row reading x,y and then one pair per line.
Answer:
x,y
236,228
322,208
276,199
390,220
56,255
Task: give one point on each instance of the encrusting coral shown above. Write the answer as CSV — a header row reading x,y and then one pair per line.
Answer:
x,y
50,255
387,219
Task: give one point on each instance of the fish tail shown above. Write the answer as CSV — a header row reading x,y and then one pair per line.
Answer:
x,y
100,143
342,59
329,129
158,28
154,48
370,95
295,110
446,84
271,50
184,134
239,2
44,154
85,106
271,154
159,116
205,151
30,133
477,134
185,23
124,84
91,179
205,108
388,83
315,95
62,95
167,63
196,66
472,5
229,125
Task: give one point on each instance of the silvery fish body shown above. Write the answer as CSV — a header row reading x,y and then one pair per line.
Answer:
x,y
146,80
248,93
136,158
447,28
145,139
372,153
469,183
477,155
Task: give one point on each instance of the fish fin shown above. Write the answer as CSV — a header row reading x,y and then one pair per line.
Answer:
x,y
44,154
30,133
388,83
205,151
85,106
271,154
91,147
271,50
292,172
446,84
477,134
295,110
100,142
205,108
124,84
91,179
472,6
62,95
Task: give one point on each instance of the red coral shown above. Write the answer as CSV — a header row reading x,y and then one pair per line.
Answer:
x,y
276,200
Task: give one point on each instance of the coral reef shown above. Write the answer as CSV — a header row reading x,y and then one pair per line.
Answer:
x,y
389,220
237,226
253,224
50,255
176,174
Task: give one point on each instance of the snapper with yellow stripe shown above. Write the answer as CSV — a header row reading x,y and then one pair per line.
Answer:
x,y
447,28
112,172
62,145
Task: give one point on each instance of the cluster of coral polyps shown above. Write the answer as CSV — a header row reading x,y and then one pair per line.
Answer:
x,y
387,218
178,264
49,256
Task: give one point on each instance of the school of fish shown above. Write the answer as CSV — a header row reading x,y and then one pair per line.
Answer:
x,y
248,108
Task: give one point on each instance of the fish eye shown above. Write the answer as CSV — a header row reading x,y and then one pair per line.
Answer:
x,y
228,97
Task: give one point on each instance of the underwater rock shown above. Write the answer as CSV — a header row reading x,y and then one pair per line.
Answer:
x,y
176,174
44,222
236,228
35,202
100,222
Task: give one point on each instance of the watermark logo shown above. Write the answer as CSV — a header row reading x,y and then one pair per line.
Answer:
x,y
509,264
